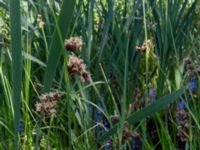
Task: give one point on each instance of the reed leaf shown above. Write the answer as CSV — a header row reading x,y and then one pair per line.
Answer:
x,y
56,45
15,26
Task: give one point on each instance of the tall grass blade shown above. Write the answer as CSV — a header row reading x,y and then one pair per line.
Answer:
x,y
57,40
15,26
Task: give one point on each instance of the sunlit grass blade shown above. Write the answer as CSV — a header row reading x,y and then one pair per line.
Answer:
x,y
57,40
148,111
15,26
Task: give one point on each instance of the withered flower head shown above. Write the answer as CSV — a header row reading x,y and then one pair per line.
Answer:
x,y
48,102
73,44
77,66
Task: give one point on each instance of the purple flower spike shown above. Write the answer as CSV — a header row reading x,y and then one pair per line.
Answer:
x,y
193,84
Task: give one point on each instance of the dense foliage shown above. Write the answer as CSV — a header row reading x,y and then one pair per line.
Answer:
x,y
104,74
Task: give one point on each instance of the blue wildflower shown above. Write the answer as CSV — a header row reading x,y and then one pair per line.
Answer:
x,y
193,84
181,105
105,122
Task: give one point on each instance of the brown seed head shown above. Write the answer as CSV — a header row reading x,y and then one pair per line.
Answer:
x,y
73,44
48,102
77,66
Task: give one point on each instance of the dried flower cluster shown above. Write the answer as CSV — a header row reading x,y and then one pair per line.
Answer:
x,y
182,120
48,102
40,21
73,44
77,66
